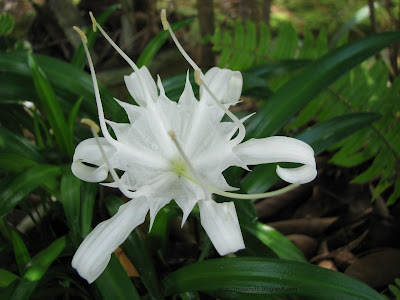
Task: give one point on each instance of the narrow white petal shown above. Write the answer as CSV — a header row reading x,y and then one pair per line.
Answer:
x,y
88,152
221,223
187,97
135,88
225,84
160,86
159,192
280,149
94,253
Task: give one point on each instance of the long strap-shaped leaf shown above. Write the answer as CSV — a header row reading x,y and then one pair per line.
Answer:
x,y
268,277
315,78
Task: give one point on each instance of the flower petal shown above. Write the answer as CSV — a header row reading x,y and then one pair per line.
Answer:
x,y
280,149
135,88
88,152
187,98
94,253
221,223
225,84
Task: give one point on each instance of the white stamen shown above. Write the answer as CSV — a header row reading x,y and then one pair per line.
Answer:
x,y
196,176
198,75
94,128
127,59
136,153
103,125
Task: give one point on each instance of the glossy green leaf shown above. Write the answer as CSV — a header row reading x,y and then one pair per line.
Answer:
x,y
79,58
276,241
320,137
21,253
68,82
157,42
88,197
37,268
114,283
11,194
72,117
51,106
267,277
71,201
16,144
316,77
15,163
137,250
6,278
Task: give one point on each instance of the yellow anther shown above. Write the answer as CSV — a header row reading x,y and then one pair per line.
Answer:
x,y
197,77
164,21
81,33
92,124
94,22
172,135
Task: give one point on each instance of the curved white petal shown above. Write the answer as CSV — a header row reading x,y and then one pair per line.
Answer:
x,y
221,223
225,84
280,149
94,253
88,152
135,88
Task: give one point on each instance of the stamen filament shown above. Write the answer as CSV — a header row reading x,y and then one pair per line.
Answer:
x,y
242,130
103,125
127,59
198,75
122,188
196,176
254,196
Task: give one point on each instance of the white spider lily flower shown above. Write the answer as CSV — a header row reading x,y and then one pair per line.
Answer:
x,y
176,151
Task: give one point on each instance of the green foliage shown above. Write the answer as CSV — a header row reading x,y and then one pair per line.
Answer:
x,y
364,89
37,144
242,47
245,278
6,24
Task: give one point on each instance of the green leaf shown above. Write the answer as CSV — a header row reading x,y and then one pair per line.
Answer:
x,y
320,137
157,42
68,82
16,144
37,268
138,252
88,197
276,241
316,77
21,253
15,163
267,277
72,117
114,283
51,106
286,44
357,18
6,278
79,58
11,194
6,23
71,201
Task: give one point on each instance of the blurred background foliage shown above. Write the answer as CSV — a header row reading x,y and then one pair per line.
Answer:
x,y
325,72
